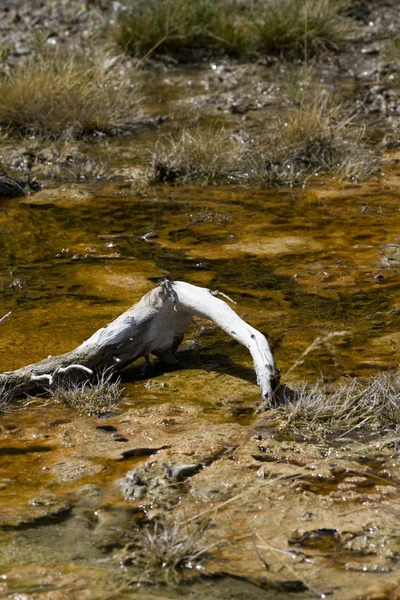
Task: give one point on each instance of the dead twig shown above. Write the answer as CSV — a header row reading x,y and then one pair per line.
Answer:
x,y
288,567
5,317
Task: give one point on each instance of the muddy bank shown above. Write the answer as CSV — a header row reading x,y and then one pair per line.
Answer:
x,y
285,516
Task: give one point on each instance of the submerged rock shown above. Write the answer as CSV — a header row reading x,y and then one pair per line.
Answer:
x,y
11,188
38,509
74,469
14,188
180,472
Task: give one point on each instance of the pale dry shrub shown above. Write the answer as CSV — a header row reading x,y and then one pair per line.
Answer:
x,y
67,97
371,404
165,548
93,398
312,138
309,139
208,155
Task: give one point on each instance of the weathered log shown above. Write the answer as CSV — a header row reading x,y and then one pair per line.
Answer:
x,y
155,325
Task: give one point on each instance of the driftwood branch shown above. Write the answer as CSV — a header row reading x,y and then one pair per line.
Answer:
x,y
155,325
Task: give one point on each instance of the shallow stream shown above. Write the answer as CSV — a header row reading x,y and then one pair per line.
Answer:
x,y
300,263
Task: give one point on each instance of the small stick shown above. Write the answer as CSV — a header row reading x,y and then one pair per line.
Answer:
x,y
5,316
264,562
289,567
218,293
50,377
255,488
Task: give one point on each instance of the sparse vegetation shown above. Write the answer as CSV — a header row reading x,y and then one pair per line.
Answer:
x,y
314,138
83,169
302,27
372,404
309,139
92,398
66,97
176,26
274,26
165,550
63,160
207,155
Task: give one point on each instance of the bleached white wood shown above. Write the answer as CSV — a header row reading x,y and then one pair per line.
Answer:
x,y
5,317
203,303
155,325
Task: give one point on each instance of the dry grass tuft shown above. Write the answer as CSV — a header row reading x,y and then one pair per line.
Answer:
x,y
314,138
209,155
368,405
164,551
66,97
90,398
82,169
62,160
178,26
311,138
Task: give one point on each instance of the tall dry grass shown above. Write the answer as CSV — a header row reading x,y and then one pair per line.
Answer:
x,y
306,140
207,155
93,398
301,28
66,97
315,137
356,405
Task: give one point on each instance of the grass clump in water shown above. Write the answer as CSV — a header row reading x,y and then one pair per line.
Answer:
x,y
91,398
367,405
208,155
163,551
66,97
64,160
292,27
310,139
314,138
